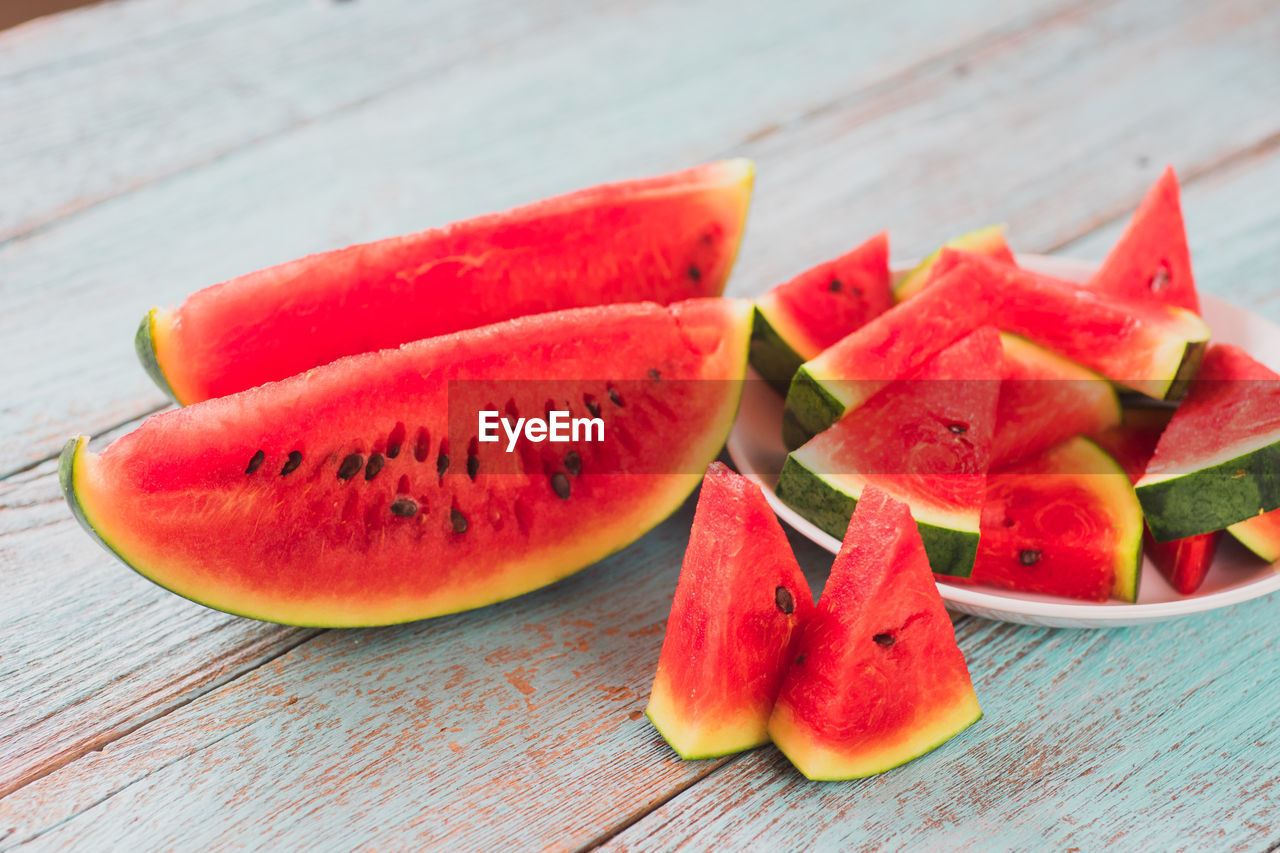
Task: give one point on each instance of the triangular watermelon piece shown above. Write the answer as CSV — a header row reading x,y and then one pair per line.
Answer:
x,y
739,601
1216,463
1151,261
925,440
800,318
877,678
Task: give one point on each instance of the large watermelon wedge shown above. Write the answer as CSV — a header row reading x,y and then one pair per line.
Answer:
x,y
358,493
925,441
1218,461
1064,522
1150,348
987,241
661,239
877,678
738,609
800,318
1151,261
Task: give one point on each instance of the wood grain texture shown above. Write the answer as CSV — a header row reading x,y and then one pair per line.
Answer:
x,y
519,723
586,101
88,649
1158,738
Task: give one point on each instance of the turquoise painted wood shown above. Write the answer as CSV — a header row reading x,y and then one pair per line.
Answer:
x,y
149,148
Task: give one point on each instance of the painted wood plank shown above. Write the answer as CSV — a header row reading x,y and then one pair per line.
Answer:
x,y
1159,738
515,724
89,650
589,101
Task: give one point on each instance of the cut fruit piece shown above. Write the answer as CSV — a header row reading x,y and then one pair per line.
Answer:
x,y
1046,399
1150,348
1183,562
799,319
1218,462
1151,261
1260,535
661,239
1065,522
925,441
738,608
987,241
877,678
358,493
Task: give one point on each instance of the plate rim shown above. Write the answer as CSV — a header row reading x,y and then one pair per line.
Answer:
x,y
1003,607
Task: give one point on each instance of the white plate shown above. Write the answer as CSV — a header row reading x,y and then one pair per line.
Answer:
x,y
1236,575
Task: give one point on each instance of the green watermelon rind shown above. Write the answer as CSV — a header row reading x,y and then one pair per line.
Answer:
x,y
952,550
811,407
1213,497
144,344
772,356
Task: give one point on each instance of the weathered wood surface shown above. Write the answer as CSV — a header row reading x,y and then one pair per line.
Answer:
x,y
1054,119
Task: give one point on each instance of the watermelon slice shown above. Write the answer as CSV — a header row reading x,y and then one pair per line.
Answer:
x,y
799,319
925,441
1045,399
1149,348
1151,261
877,677
1218,462
662,239
1183,562
1065,522
358,493
987,241
1261,535
738,608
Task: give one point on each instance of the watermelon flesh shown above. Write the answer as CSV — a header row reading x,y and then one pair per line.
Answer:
x,y
739,605
661,239
800,318
877,678
1065,522
925,441
1149,348
1261,535
1151,260
349,496
1216,462
988,241
1185,562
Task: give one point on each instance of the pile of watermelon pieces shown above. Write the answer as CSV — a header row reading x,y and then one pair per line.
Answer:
x,y
1038,428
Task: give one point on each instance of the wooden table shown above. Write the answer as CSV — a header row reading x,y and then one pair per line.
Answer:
x,y
151,147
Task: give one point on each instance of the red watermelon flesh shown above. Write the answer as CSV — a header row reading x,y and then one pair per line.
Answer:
x,y
1151,261
739,606
1183,562
358,493
1261,535
1065,522
662,239
877,678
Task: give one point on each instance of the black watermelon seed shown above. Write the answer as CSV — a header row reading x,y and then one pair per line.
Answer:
x,y
654,374
615,397
1160,280
573,463
291,465
1029,557
458,520
835,285
442,463
256,462
350,466
395,440
799,659
375,465
404,507
560,485
695,273
883,639
592,406
785,601
473,467
958,429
